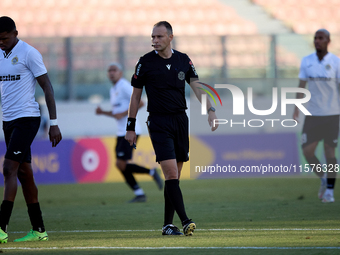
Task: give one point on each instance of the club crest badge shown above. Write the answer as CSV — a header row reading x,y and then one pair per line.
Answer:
x,y
181,75
328,67
15,60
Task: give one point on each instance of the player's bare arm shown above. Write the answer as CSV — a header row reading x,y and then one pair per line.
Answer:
x,y
45,84
118,116
302,84
132,113
198,92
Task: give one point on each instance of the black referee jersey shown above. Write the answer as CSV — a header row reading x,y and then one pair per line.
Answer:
x,y
164,81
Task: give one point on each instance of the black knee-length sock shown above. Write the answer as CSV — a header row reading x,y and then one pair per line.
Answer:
x,y
331,164
35,215
176,198
5,214
137,169
130,180
169,209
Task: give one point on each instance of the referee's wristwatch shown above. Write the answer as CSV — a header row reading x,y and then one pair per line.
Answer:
x,y
211,109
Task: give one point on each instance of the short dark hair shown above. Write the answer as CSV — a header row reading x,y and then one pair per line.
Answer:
x,y
6,24
166,24
326,32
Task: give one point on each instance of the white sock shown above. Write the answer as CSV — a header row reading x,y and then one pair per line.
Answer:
x,y
139,192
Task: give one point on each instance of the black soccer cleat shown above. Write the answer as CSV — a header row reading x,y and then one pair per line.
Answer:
x,y
138,199
171,230
158,179
189,227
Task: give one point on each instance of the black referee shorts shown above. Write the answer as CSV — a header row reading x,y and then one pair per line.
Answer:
x,y
123,148
317,128
169,136
19,135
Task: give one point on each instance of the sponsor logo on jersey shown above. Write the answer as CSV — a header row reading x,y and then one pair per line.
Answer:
x,y
320,78
193,67
181,75
138,68
10,77
15,60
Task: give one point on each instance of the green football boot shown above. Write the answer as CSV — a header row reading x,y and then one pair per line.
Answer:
x,y
3,236
33,236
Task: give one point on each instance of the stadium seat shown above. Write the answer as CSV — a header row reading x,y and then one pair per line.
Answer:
x,y
192,14
304,16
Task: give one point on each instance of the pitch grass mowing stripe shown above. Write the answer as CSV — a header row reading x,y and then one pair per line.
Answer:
x,y
213,229
171,248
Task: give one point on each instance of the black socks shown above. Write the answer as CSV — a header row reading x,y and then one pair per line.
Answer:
x,y
137,169
130,180
175,196
34,213
331,164
5,214
169,209
133,168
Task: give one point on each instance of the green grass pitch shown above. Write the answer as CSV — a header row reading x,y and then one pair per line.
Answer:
x,y
233,216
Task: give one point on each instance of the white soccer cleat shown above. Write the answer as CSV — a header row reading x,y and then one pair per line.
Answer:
x,y
328,198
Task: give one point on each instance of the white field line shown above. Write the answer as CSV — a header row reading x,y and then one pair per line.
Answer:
x,y
180,248
212,230
171,248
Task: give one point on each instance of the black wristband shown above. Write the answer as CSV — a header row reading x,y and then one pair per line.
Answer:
x,y
130,125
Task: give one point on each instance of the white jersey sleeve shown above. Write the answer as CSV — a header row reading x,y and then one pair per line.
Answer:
x,y
303,74
322,78
128,91
120,99
18,72
338,72
35,63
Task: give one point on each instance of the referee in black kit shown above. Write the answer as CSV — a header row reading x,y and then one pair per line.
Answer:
x,y
163,72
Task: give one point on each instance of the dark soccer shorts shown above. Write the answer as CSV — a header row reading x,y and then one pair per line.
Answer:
x,y
169,136
317,128
19,135
123,148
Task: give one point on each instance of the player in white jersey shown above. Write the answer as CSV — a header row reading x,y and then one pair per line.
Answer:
x,y
322,72
21,66
120,94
